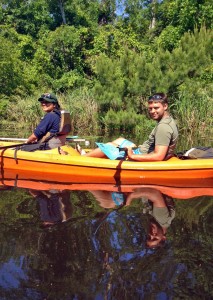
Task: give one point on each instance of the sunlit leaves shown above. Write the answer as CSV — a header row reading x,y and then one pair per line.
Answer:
x,y
60,56
11,66
121,82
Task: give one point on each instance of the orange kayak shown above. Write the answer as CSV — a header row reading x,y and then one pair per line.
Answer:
x,y
73,168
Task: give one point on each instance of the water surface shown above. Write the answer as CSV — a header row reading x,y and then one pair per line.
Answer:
x,y
92,244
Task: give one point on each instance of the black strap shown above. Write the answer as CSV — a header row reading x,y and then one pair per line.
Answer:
x,y
15,154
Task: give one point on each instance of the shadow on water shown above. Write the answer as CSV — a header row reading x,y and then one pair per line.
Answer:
x,y
145,242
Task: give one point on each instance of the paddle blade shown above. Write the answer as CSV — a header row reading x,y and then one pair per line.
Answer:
x,y
111,151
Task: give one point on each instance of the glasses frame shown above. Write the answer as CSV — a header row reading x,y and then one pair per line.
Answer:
x,y
156,97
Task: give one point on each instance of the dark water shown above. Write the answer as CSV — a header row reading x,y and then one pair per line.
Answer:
x,y
95,244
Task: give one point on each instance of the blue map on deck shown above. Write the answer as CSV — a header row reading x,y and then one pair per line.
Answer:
x,y
111,151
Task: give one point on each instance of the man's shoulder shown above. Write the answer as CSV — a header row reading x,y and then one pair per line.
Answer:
x,y
167,120
167,123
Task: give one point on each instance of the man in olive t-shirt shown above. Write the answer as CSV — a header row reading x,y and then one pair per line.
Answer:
x,y
164,134
162,140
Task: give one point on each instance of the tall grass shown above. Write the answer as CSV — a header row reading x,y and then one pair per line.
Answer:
x,y
23,114
84,111
194,116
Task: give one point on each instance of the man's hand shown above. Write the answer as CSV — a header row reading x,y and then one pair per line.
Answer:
x,y
32,139
158,154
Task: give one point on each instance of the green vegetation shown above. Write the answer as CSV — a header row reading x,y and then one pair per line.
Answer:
x,y
103,64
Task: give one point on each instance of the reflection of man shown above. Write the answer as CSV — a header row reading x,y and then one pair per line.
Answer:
x,y
55,206
108,199
162,210
162,214
163,217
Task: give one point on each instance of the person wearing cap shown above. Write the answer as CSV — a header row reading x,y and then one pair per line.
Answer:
x,y
49,125
162,140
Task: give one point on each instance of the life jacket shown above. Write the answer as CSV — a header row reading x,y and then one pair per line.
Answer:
x,y
54,140
65,123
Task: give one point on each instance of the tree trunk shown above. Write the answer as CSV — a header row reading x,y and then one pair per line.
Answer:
x,y
153,10
61,6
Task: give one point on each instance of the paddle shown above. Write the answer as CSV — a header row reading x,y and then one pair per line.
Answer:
x,y
68,138
12,146
13,139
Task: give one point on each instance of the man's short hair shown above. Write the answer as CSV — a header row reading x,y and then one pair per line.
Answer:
x,y
158,97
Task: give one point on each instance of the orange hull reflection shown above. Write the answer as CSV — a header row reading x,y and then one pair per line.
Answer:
x,y
37,181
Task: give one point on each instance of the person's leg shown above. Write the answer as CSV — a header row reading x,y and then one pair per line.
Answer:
x,y
122,142
95,153
98,153
117,142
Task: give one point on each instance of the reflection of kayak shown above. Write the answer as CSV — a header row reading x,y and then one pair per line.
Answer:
x,y
79,169
26,180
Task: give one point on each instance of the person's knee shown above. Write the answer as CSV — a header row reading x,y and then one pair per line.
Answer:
x,y
118,141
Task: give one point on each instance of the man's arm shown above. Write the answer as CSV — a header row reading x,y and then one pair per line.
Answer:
x,y
154,195
157,155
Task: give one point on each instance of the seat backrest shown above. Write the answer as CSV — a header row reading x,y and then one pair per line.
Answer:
x,y
65,123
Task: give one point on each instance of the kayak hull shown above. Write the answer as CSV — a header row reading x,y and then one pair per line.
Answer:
x,y
73,168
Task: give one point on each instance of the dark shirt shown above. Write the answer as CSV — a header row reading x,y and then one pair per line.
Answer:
x,y
50,208
50,123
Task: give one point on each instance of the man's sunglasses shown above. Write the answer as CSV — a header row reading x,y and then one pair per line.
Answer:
x,y
157,97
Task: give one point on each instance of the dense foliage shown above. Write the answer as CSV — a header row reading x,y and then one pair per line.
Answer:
x,y
109,56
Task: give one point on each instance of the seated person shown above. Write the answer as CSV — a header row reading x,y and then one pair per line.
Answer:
x,y
51,132
162,140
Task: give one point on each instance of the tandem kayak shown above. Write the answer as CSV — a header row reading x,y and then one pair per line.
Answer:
x,y
74,168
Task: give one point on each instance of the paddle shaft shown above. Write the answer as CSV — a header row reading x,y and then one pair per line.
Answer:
x,y
74,139
12,146
12,139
